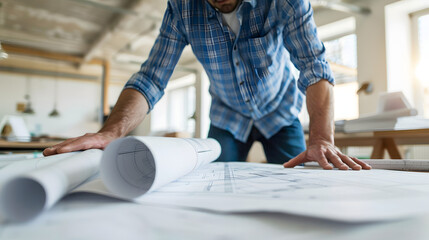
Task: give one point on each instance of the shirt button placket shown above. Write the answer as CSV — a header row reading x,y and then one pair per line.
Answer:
x,y
239,75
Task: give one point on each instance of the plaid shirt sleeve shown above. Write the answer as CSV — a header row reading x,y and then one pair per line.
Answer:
x,y
155,72
300,38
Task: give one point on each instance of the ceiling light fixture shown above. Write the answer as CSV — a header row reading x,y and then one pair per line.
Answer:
x,y
28,109
55,112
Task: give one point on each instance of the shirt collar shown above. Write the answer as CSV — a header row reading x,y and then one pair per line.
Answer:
x,y
251,2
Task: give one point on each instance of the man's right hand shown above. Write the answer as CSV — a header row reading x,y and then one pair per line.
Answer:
x,y
87,141
128,112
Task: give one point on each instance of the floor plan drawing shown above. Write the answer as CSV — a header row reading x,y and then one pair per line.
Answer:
x,y
335,194
273,181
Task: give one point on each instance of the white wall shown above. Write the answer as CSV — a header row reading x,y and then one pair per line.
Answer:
x,y
384,47
385,54
77,101
371,45
400,47
385,50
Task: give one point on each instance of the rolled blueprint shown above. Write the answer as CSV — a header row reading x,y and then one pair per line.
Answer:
x,y
133,166
28,194
17,167
130,167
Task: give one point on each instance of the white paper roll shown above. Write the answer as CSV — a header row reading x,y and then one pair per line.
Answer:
x,y
133,166
25,196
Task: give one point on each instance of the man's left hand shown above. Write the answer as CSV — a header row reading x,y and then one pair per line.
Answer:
x,y
324,153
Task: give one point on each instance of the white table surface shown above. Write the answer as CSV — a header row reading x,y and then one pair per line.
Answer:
x,y
88,216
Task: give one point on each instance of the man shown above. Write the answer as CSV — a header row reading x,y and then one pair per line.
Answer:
x,y
246,47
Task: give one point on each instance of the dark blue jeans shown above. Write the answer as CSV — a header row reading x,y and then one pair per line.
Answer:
x,y
280,148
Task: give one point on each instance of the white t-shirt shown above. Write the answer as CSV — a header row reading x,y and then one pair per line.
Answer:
x,y
232,20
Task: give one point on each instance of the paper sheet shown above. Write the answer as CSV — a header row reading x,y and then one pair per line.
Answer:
x,y
352,196
130,167
142,169
135,165
87,216
399,164
14,167
25,196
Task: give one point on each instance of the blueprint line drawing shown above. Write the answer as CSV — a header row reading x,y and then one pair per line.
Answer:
x,y
273,181
351,196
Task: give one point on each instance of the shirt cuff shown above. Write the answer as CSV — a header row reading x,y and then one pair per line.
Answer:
x,y
312,74
146,87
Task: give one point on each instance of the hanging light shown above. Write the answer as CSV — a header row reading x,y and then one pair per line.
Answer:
x,y
28,109
55,112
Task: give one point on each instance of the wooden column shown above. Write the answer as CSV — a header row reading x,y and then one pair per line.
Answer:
x,y
202,102
105,109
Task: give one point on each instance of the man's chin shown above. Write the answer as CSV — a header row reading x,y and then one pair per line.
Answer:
x,y
227,8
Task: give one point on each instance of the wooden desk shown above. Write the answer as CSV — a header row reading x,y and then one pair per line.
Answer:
x,y
5,145
383,140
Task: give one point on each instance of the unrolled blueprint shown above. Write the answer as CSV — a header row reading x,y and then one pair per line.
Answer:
x,y
337,195
178,173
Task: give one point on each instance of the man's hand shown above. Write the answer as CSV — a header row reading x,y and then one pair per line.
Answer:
x,y
324,153
128,112
87,141
321,146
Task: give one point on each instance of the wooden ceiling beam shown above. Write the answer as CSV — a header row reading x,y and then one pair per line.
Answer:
x,y
341,6
13,49
108,30
126,14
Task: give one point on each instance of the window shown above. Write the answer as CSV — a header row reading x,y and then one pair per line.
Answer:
x,y
341,54
422,64
175,110
181,105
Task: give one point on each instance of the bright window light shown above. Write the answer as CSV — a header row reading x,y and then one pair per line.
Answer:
x,y
422,68
422,71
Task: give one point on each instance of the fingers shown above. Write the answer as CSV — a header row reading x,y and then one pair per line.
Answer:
x,y
49,151
323,162
295,161
336,160
364,165
350,162
53,150
326,155
302,158
84,142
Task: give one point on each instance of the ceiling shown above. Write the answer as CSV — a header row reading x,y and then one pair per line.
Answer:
x,y
122,31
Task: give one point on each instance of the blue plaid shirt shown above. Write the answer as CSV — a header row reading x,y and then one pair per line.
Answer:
x,y
251,83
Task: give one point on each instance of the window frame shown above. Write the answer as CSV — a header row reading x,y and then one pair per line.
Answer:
x,y
415,48
178,84
415,53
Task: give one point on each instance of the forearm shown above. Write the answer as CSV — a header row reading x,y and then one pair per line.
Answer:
x,y
320,107
130,109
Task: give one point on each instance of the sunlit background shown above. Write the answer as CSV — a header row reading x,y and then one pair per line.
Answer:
x,y
57,54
